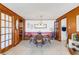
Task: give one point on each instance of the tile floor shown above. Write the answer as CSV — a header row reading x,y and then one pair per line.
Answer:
x,y
25,48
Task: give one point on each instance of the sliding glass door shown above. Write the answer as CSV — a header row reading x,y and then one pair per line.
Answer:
x,y
6,30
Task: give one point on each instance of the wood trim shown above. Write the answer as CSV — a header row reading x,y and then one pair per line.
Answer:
x,y
71,19
13,31
17,43
71,24
64,15
7,11
0,31
6,49
58,33
23,30
5,30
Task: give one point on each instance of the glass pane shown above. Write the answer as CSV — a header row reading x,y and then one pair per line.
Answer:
x,y
2,45
2,23
10,36
17,24
7,35
7,18
10,30
2,16
2,38
10,42
10,24
7,30
7,44
2,30
7,24
10,18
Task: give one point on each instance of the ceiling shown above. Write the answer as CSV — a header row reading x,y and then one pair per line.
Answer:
x,y
41,10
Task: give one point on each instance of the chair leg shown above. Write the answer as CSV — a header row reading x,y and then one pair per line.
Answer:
x,y
49,41
36,45
41,45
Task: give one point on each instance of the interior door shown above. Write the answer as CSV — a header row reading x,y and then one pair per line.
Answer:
x,y
6,30
63,29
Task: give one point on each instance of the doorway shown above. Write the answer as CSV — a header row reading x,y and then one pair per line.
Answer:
x,y
63,30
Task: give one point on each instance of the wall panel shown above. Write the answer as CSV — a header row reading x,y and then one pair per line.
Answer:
x,y
9,35
71,21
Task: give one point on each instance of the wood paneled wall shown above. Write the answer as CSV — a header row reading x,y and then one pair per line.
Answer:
x,y
71,22
58,32
15,38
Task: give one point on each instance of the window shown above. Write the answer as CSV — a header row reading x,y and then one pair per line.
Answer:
x,y
6,30
2,16
2,45
3,23
2,38
2,30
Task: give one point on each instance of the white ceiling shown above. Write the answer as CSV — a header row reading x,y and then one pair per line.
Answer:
x,y
46,10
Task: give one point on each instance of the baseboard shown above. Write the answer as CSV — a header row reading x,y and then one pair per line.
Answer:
x,y
6,49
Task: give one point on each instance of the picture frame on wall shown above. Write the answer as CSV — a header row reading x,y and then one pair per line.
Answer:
x,y
40,26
